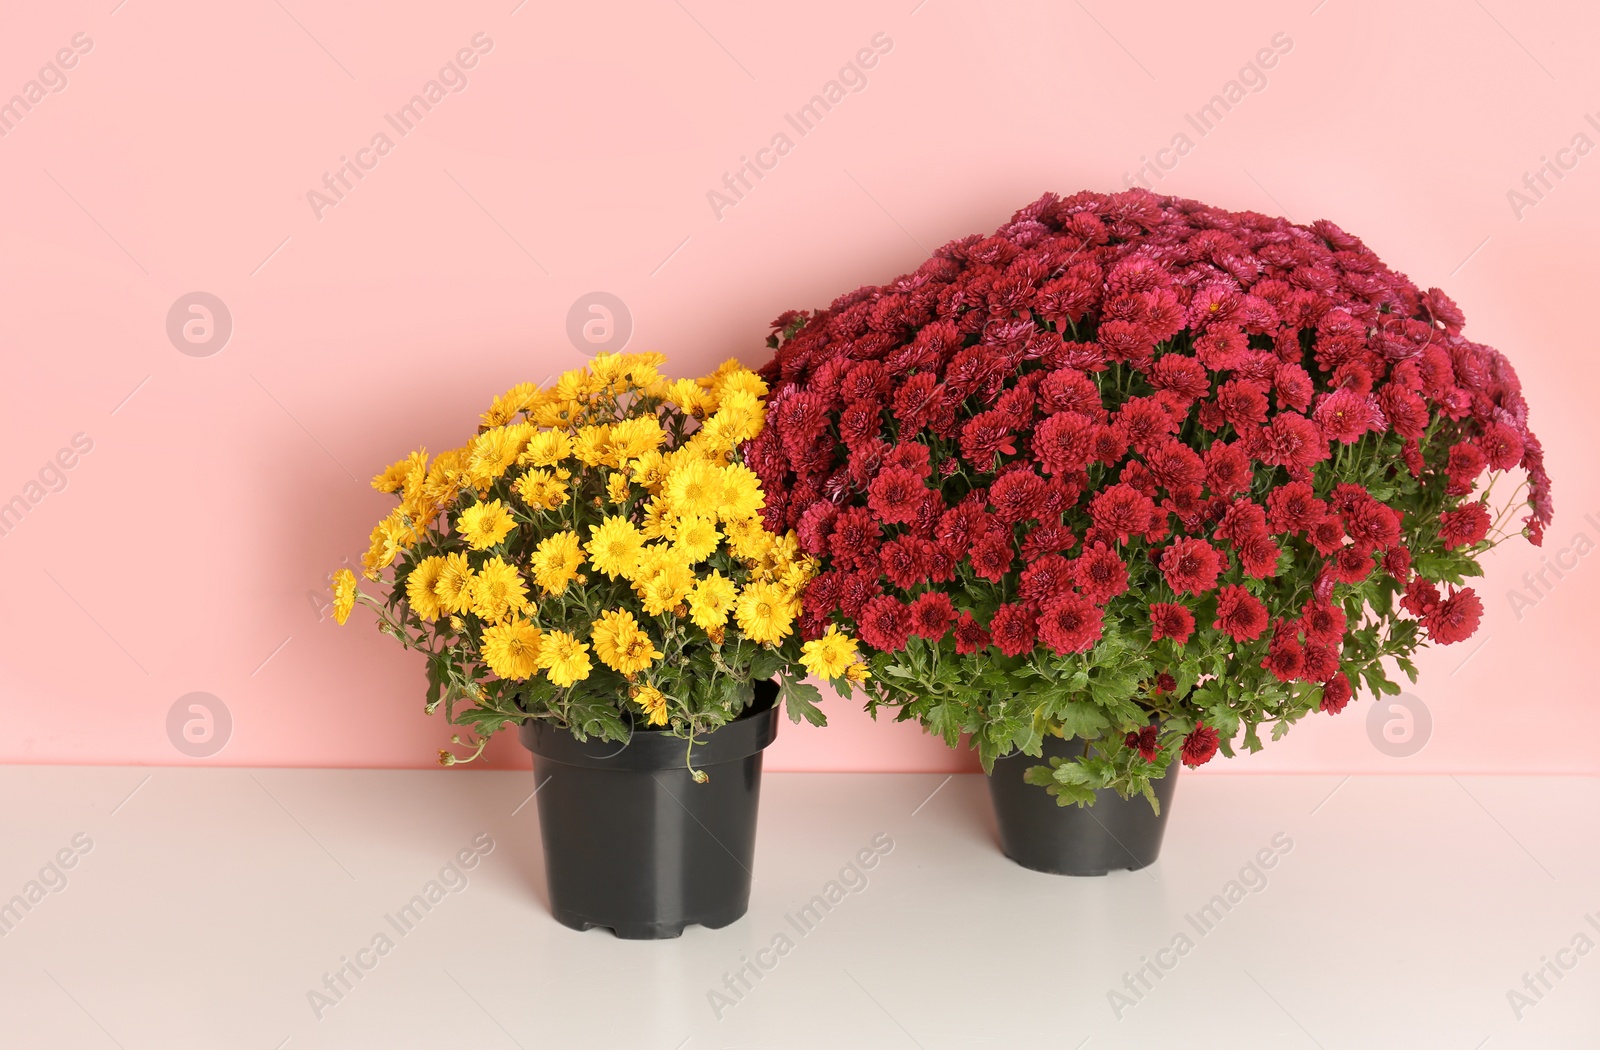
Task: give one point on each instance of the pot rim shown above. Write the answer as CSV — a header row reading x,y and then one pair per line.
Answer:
x,y
653,749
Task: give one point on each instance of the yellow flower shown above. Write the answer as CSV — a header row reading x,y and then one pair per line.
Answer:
x,y
632,438
497,591
563,658
695,538
657,519
711,601
609,366
454,585
617,488
422,587
556,562
622,644
506,407
614,547
485,524
733,377
443,482
654,702
397,473
830,656
689,396
649,470
546,448
666,587
795,577
748,538
591,445
741,493
695,488
557,411
541,490
765,615
857,673
390,538
512,650
344,595
493,452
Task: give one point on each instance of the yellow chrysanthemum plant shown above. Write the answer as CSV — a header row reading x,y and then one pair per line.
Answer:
x,y
596,556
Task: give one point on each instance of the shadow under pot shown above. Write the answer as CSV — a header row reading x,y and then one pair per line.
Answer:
x,y
1114,834
631,842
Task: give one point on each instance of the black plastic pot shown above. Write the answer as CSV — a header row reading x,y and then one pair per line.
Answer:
x,y
632,843
1114,834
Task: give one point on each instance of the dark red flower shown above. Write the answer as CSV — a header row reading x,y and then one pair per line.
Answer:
x,y
1421,597
1200,745
1064,442
1345,415
912,456
1290,440
1182,375
906,561
1370,523
1242,403
1228,468
1293,385
1017,495
816,525
1046,539
1240,614
932,615
854,541
970,635
1293,507
1455,618
1170,620
1466,463
1241,520
914,401
1321,661
1397,563
885,624
986,436
1285,658
1335,694
1100,574
1352,564
1260,556
1464,526
1327,535
1046,579
1175,465
1501,445
1144,422
896,495
1121,511
1190,566
1144,742
1322,622
1070,624
992,556
1013,629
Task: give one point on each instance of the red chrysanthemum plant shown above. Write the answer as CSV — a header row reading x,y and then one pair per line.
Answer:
x,y
1142,472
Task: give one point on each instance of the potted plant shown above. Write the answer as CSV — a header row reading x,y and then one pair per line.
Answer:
x,y
593,567
1129,482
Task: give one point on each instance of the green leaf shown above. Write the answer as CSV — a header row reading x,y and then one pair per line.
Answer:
x,y
1081,719
800,700
765,664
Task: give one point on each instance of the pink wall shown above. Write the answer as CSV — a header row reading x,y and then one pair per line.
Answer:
x,y
185,549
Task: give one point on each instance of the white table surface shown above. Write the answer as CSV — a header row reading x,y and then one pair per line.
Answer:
x,y
212,901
